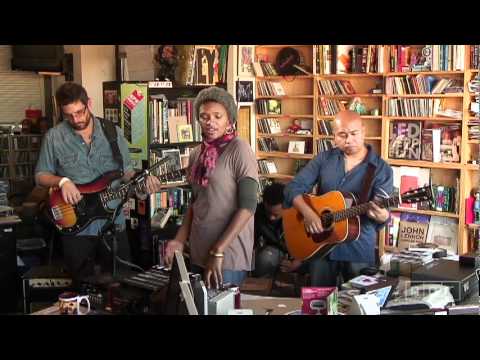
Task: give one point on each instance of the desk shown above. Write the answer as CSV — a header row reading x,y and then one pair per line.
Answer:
x,y
8,264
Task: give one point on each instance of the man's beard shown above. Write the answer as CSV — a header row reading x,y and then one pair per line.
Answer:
x,y
82,125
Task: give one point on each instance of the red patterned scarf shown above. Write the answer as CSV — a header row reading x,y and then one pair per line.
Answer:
x,y
207,160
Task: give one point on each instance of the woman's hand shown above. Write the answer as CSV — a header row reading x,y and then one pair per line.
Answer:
x,y
172,246
213,271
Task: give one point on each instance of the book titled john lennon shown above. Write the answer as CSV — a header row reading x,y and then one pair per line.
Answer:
x,y
405,140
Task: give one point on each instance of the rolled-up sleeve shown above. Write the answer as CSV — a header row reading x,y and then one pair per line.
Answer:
x,y
303,181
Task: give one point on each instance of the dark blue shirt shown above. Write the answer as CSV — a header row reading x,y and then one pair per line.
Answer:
x,y
327,170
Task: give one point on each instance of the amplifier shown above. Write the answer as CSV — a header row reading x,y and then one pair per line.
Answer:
x,y
43,284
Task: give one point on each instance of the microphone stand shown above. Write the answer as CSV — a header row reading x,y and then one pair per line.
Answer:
x,y
110,229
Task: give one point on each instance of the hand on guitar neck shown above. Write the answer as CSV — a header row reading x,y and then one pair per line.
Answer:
x,y
313,223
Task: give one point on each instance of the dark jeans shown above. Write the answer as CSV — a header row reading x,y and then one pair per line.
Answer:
x,y
326,272
82,253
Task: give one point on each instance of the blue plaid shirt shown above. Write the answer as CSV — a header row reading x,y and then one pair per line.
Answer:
x,y
327,170
64,153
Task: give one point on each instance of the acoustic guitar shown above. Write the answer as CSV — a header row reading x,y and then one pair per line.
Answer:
x,y
340,216
97,197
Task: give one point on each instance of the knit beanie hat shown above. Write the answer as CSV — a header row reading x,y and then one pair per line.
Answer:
x,y
220,96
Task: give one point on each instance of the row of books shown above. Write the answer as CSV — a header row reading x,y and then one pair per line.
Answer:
x,y
269,126
168,117
329,107
474,56
4,172
269,106
325,127
177,199
421,84
3,157
325,145
21,156
404,58
345,59
420,108
267,167
24,170
270,88
335,87
267,144
264,68
178,160
413,140
4,190
474,129
407,230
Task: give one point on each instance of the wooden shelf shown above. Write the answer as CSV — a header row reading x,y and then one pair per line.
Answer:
x,y
427,212
263,135
174,185
366,137
474,70
307,97
283,155
277,176
279,46
322,117
351,96
281,77
261,116
423,73
451,95
423,118
426,164
320,76
472,167
474,141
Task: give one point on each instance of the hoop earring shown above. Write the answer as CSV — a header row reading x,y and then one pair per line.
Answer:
x,y
230,130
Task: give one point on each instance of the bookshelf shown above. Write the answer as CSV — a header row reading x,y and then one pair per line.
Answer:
x,y
303,99
296,103
460,175
18,157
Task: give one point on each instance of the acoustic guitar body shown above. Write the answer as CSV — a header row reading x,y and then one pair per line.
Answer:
x,y
302,245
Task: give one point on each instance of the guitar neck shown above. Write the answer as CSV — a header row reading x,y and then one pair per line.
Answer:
x,y
139,183
353,211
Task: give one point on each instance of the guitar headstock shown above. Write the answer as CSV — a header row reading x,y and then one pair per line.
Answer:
x,y
411,197
417,195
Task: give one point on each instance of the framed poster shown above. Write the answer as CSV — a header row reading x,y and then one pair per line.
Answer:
x,y
244,92
245,56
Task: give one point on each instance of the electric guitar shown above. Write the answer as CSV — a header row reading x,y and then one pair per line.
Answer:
x,y
96,196
340,216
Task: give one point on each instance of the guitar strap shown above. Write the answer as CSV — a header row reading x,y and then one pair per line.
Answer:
x,y
111,134
367,183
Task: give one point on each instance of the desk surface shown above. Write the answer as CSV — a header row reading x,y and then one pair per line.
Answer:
x,y
9,220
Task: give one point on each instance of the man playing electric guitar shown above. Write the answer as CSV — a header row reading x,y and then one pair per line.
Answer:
x,y
344,168
79,150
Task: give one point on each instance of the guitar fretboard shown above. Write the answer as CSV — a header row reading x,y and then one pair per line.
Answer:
x,y
139,182
355,211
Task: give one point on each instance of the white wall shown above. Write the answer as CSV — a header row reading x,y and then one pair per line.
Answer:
x,y
97,66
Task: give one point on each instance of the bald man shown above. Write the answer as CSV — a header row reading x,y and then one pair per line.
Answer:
x,y
344,168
